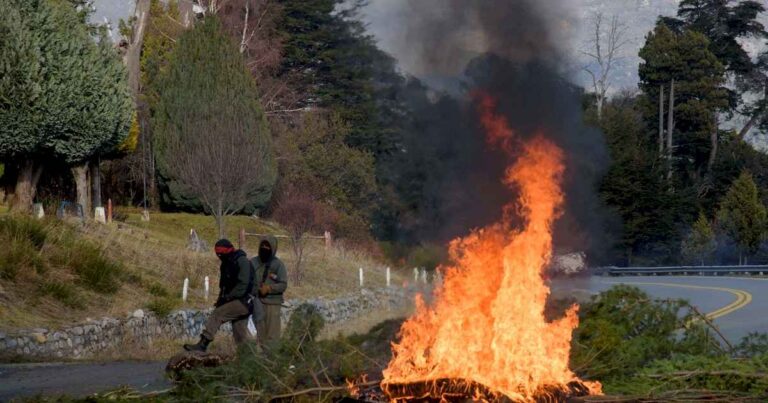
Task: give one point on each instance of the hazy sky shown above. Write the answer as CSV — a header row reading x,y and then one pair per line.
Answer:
x,y
569,20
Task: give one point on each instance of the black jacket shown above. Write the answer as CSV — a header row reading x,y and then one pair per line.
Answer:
x,y
236,278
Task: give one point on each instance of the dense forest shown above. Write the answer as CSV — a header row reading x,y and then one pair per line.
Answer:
x,y
326,118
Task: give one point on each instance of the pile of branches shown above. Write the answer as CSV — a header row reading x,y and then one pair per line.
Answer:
x,y
299,367
664,350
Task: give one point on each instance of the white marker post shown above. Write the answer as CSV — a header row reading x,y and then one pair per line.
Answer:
x,y
185,290
389,278
424,275
207,287
415,275
362,279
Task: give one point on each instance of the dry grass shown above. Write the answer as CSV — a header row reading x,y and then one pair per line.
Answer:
x,y
153,262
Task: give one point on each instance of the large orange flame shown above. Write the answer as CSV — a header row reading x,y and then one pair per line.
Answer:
x,y
487,322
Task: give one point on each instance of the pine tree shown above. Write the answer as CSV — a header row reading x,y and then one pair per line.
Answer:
x,y
213,143
699,96
700,244
81,106
742,216
21,94
334,62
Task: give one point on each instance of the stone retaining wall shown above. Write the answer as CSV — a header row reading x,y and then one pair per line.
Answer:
x,y
84,340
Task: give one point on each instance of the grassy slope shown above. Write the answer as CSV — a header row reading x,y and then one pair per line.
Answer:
x,y
152,261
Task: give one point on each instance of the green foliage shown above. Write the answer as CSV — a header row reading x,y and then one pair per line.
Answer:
x,y
622,330
739,378
72,112
699,92
313,155
160,38
96,272
21,76
163,305
700,243
742,215
724,23
23,239
336,64
206,97
428,256
23,227
634,187
296,362
64,293
158,290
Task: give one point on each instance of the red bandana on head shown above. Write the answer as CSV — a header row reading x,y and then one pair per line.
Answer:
x,y
224,250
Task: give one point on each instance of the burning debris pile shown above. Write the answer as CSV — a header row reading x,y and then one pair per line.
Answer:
x,y
485,336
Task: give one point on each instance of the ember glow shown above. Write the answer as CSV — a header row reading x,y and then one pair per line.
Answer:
x,y
486,325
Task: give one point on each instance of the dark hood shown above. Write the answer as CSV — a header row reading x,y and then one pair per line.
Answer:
x,y
272,241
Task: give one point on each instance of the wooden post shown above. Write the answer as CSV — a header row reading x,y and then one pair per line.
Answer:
x,y
241,239
328,240
109,210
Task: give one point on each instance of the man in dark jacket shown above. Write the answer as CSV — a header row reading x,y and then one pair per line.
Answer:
x,y
272,280
236,280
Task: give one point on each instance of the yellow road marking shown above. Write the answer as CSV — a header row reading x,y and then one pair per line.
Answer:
x,y
743,298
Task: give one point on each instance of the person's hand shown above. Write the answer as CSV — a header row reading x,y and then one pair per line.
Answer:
x,y
264,290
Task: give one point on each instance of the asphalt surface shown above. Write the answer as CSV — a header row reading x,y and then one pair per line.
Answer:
x,y
737,305
78,380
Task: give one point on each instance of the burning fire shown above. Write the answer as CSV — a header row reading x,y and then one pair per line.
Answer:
x,y
486,325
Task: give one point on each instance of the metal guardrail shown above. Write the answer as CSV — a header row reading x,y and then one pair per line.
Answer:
x,y
751,270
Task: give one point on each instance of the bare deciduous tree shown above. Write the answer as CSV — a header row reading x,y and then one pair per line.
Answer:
x,y
606,44
219,159
300,213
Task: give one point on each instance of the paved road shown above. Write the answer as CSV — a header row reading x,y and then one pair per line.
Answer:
x,y
27,380
738,305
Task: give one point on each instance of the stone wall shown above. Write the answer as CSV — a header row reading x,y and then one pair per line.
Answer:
x,y
84,340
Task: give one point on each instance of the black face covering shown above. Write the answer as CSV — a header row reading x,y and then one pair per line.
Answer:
x,y
265,254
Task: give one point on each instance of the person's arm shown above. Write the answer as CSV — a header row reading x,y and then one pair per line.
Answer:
x,y
243,277
281,284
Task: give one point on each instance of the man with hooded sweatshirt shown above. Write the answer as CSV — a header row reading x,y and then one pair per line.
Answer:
x,y
272,280
236,280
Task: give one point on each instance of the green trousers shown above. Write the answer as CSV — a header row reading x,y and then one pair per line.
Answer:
x,y
268,330
233,311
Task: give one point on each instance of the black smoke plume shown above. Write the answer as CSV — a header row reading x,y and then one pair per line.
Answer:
x,y
449,179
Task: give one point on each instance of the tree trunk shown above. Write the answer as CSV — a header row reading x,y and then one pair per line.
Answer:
x,y
80,173
218,215
600,104
661,121
133,55
756,117
26,186
713,140
670,128
96,182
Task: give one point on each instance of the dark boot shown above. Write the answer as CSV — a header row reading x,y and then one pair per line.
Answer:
x,y
201,345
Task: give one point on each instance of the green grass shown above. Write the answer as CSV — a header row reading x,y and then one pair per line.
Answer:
x,y
96,272
162,306
64,293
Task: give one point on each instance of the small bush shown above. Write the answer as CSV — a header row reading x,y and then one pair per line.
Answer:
x,y
23,227
96,272
162,306
158,290
63,292
18,254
